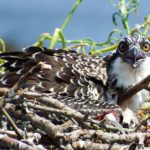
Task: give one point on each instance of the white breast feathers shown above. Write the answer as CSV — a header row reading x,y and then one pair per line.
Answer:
x,y
128,76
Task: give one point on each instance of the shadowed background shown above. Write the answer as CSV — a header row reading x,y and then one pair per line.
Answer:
x,y
22,21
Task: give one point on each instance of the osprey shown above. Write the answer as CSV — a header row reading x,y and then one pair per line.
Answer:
x,y
82,82
128,66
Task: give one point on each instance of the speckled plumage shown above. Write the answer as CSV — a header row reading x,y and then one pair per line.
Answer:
x,y
80,78
88,81
57,71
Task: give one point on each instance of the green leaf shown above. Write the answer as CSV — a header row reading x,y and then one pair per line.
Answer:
x,y
3,45
42,38
114,18
62,39
54,38
110,37
70,14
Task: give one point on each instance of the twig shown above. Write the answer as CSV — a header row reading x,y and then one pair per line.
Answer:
x,y
20,135
134,89
70,113
68,124
13,134
142,123
84,121
7,142
88,145
107,137
45,125
65,110
115,137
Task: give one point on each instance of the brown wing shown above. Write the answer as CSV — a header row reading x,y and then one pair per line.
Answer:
x,y
43,70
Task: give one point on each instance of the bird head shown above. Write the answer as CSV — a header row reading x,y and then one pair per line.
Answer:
x,y
134,49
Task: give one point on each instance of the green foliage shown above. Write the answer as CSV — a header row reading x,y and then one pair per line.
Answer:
x,y
2,43
123,10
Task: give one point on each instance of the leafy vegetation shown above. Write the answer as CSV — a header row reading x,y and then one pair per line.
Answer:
x,y
123,10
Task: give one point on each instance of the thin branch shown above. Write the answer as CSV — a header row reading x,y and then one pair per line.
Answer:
x,y
88,145
142,123
134,89
70,113
65,110
107,137
20,135
13,134
45,125
10,143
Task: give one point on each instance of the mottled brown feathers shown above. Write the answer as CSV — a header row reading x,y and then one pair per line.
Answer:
x,y
43,70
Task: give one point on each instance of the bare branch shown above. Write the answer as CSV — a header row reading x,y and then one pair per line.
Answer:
x,y
88,145
43,124
134,89
142,123
20,135
70,113
103,136
7,142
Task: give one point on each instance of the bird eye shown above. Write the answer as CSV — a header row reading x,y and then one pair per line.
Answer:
x,y
146,47
123,46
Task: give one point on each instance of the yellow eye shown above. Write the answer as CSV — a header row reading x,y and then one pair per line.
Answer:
x,y
123,46
146,47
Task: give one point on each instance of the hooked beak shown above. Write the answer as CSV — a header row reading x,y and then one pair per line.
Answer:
x,y
134,57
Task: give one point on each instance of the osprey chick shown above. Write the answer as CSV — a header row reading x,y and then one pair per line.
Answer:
x,y
89,80
128,66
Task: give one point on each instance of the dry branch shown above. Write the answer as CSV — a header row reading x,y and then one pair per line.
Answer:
x,y
7,142
103,136
78,134
13,134
69,113
17,130
88,145
45,125
142,123
144,84
83,120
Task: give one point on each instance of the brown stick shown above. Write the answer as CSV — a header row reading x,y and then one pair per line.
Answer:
x,y
88,145
107,137
70,113
10,143
134,89
20,135
141,123
44,124
12,134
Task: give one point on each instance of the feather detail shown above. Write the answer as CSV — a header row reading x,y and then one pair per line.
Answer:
x,y
55,71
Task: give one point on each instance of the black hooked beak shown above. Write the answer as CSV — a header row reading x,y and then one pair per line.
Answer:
x,y
134,57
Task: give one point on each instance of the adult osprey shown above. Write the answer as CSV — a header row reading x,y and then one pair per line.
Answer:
x,y
84,81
